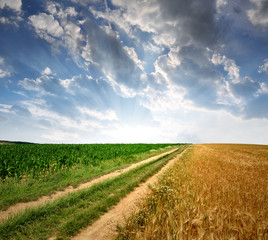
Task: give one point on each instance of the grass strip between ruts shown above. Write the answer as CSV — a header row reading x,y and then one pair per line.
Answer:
x,y
66,216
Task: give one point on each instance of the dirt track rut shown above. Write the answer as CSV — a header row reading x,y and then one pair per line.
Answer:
x,y
104,228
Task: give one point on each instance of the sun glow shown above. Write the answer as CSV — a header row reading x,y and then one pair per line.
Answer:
x,y
134,134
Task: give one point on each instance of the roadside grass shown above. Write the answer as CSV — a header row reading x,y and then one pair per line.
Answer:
x,y
68,215
13,191
213,192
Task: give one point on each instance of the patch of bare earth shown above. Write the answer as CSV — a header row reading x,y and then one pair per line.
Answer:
x,y
105,227
19,207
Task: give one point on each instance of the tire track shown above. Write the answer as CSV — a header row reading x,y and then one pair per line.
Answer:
x,y
105,227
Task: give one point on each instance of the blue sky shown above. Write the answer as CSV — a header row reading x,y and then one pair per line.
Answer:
x,y
89,71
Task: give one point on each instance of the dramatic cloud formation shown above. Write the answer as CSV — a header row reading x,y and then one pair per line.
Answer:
x,y
134,71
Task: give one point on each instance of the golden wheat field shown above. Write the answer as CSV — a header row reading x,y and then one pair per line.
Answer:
x,y
215,191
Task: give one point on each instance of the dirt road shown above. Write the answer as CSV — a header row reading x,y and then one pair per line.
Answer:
x,y
104,228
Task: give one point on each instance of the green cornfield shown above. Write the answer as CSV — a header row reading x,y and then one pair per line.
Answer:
x,y
34,160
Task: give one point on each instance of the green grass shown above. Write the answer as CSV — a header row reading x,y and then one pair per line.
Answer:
x,y
22,161
13,191
68,215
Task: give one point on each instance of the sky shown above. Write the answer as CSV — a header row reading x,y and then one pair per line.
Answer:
x,y
136,71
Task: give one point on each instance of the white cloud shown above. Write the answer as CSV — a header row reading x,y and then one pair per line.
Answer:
x,y
4,72
104,115
65,17
119,66
117,17
66,83
259,14
152,48
264,67
46,26
72,37
56,10
11,19
30,84
120,89
173,58
72,85
133,55
86,54
226,96
85,2
4,20
60,28
221,3
263,88
170,99
55,127
13,4
39,110
142,15
47,71
240,91
46,84
229,66
5,108
171,22
36,84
